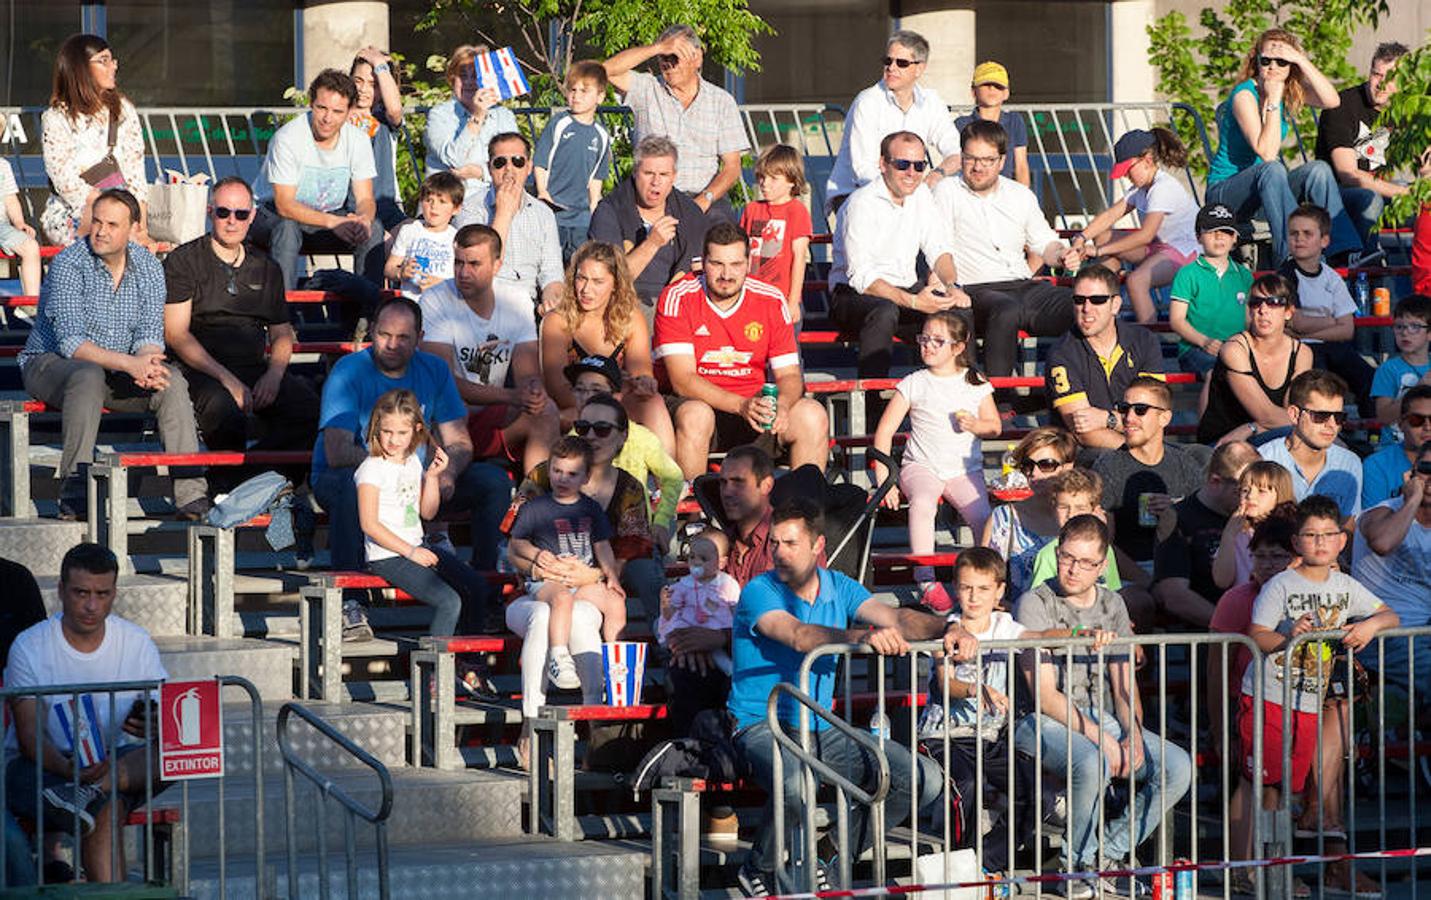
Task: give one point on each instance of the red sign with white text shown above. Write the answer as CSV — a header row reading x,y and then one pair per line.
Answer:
x,y
191,730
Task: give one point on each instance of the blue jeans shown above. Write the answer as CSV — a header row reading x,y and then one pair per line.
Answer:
x,y
482,488
1364,207
1271,188
19,858
1089,777
285,239
756,747
452,588
1197,361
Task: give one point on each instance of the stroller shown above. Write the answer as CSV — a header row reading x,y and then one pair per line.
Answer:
x,y
849,510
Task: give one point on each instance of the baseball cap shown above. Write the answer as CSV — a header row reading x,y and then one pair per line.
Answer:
x,y
601,365
1216,217
1129,147
991,73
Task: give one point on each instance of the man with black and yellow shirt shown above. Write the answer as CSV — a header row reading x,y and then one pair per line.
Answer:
x,y
1088,370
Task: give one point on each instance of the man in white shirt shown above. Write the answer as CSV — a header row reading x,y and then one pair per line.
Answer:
x,y
896,102
995,219
526,225
314,164
483,327
879,234
83,644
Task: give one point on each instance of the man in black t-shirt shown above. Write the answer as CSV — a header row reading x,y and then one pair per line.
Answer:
x,y
1182,566
226,319
1349,140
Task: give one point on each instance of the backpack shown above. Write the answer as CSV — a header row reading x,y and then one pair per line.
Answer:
x,y
708,753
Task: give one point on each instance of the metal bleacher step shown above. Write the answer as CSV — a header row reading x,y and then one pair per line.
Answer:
x,y
268,664
434,870
156,603
379,729
39,543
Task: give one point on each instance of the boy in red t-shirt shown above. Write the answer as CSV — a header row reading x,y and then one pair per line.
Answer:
x,y
779,225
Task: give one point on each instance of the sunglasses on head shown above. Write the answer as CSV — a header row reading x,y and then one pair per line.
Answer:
x,y
1141,409
1320,416
902,63
1095,299
223,212
602,429
1043,465
1266,61
1416,420
905,165
1257,300
500,162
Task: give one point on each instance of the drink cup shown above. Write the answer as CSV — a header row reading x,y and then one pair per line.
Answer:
x,y
623,665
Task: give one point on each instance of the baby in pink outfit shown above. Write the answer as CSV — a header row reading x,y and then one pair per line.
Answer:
x,y
705,598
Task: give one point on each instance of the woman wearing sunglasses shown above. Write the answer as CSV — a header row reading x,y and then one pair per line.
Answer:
x,y
1247,173
1247,390
1019,530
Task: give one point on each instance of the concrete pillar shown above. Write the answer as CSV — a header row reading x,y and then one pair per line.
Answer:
x,y
1131,78
332,34
949,28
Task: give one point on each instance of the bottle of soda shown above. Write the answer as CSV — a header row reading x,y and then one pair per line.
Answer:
x,y
771,392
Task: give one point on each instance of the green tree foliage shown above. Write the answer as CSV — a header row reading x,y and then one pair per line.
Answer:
x,y
1408,115
1200,69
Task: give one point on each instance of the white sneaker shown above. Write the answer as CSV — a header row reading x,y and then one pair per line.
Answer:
x,y
561,670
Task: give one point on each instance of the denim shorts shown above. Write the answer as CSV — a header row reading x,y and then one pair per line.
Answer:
x,y
11,238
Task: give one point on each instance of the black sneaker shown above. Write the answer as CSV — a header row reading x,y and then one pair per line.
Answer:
x,y
79,800
752,881
194,510
72,509
355,622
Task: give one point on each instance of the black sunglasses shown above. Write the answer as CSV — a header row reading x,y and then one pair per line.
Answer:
x,y
1423,467
1416,420
1257,300
1095,299
1043,465
602,429
1123,407
905,165
1320,416
500,162
902,63
223,212
1265,61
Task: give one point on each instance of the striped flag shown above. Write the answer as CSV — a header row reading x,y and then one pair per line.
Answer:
x,y
499,69
81,727
624,664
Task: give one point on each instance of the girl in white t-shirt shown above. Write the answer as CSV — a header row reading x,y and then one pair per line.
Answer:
x,y
394,496
950,406
1166,239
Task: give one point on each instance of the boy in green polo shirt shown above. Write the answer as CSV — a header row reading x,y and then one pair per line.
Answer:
x,y
1209,295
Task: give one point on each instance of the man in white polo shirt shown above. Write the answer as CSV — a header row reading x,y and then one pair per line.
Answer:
x,y
874,288
995,219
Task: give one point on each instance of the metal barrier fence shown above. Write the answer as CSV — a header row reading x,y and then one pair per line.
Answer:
x,y
1184,811
164,839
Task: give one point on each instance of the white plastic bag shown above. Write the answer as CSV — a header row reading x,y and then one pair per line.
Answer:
x,y
963,866
179,208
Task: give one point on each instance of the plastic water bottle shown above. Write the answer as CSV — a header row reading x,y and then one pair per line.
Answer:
x,y
1363,294
879,725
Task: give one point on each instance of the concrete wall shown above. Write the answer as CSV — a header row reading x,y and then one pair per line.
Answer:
x,y
334,32
822,51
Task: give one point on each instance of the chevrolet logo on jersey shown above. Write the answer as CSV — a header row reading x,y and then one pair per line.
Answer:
x,y
726,357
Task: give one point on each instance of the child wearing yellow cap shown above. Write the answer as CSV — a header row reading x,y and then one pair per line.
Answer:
x,y
990,90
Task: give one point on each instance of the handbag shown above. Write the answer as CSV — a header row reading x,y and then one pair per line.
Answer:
x,y
179,208
106,174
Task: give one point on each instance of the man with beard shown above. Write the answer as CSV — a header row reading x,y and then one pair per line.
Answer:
x,y
481,325
1319,465
716,333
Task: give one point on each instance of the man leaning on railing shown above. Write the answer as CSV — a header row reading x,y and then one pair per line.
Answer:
x,y
83,644
783,615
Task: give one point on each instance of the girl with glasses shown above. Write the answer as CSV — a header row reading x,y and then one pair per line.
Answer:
x,y
1019,530
950,406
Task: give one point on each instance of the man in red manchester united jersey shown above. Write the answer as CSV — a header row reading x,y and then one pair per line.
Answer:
x,y
715,334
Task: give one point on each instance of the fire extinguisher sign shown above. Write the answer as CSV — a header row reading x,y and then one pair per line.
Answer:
x,y
191,730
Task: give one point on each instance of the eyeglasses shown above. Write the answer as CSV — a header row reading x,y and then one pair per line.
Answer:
x,y
223,212
1095,299
905,165
980,162
1043,465
1266,61
500,162
1141,409
602,429
1320,416
1257,300
895,61
102,60
1076,564
1409,327
1416,420
1317,537
932,341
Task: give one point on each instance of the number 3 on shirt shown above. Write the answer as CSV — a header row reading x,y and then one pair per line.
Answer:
x,y
1060,380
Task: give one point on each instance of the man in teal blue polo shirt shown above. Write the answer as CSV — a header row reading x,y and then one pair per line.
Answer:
x,y
783,615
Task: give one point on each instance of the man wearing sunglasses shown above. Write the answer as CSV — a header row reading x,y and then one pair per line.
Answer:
x,y
315,163
1319,465
897,102
996,224
226,319
1088,370
1384,471
701,118
880,231
531,244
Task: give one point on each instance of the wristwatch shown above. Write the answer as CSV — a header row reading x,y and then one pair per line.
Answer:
x,y
380,68
1112,420
710,198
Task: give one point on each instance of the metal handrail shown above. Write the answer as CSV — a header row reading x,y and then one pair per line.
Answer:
x,y
256,707
328,788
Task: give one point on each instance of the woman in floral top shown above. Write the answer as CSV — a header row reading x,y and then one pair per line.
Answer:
x,y
75,137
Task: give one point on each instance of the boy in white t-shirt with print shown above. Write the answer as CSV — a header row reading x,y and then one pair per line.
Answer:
x,y
421,255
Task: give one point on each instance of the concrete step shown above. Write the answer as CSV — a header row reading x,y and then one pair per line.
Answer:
x,y
268,664
428,807
484,870
379,729
39,543
158,604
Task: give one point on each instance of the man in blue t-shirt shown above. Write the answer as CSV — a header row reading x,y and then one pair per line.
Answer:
x,y
1384,471
1310,453
782,616
351,390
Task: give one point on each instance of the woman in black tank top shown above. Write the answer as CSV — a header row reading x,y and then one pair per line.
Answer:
x,y
1245,392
